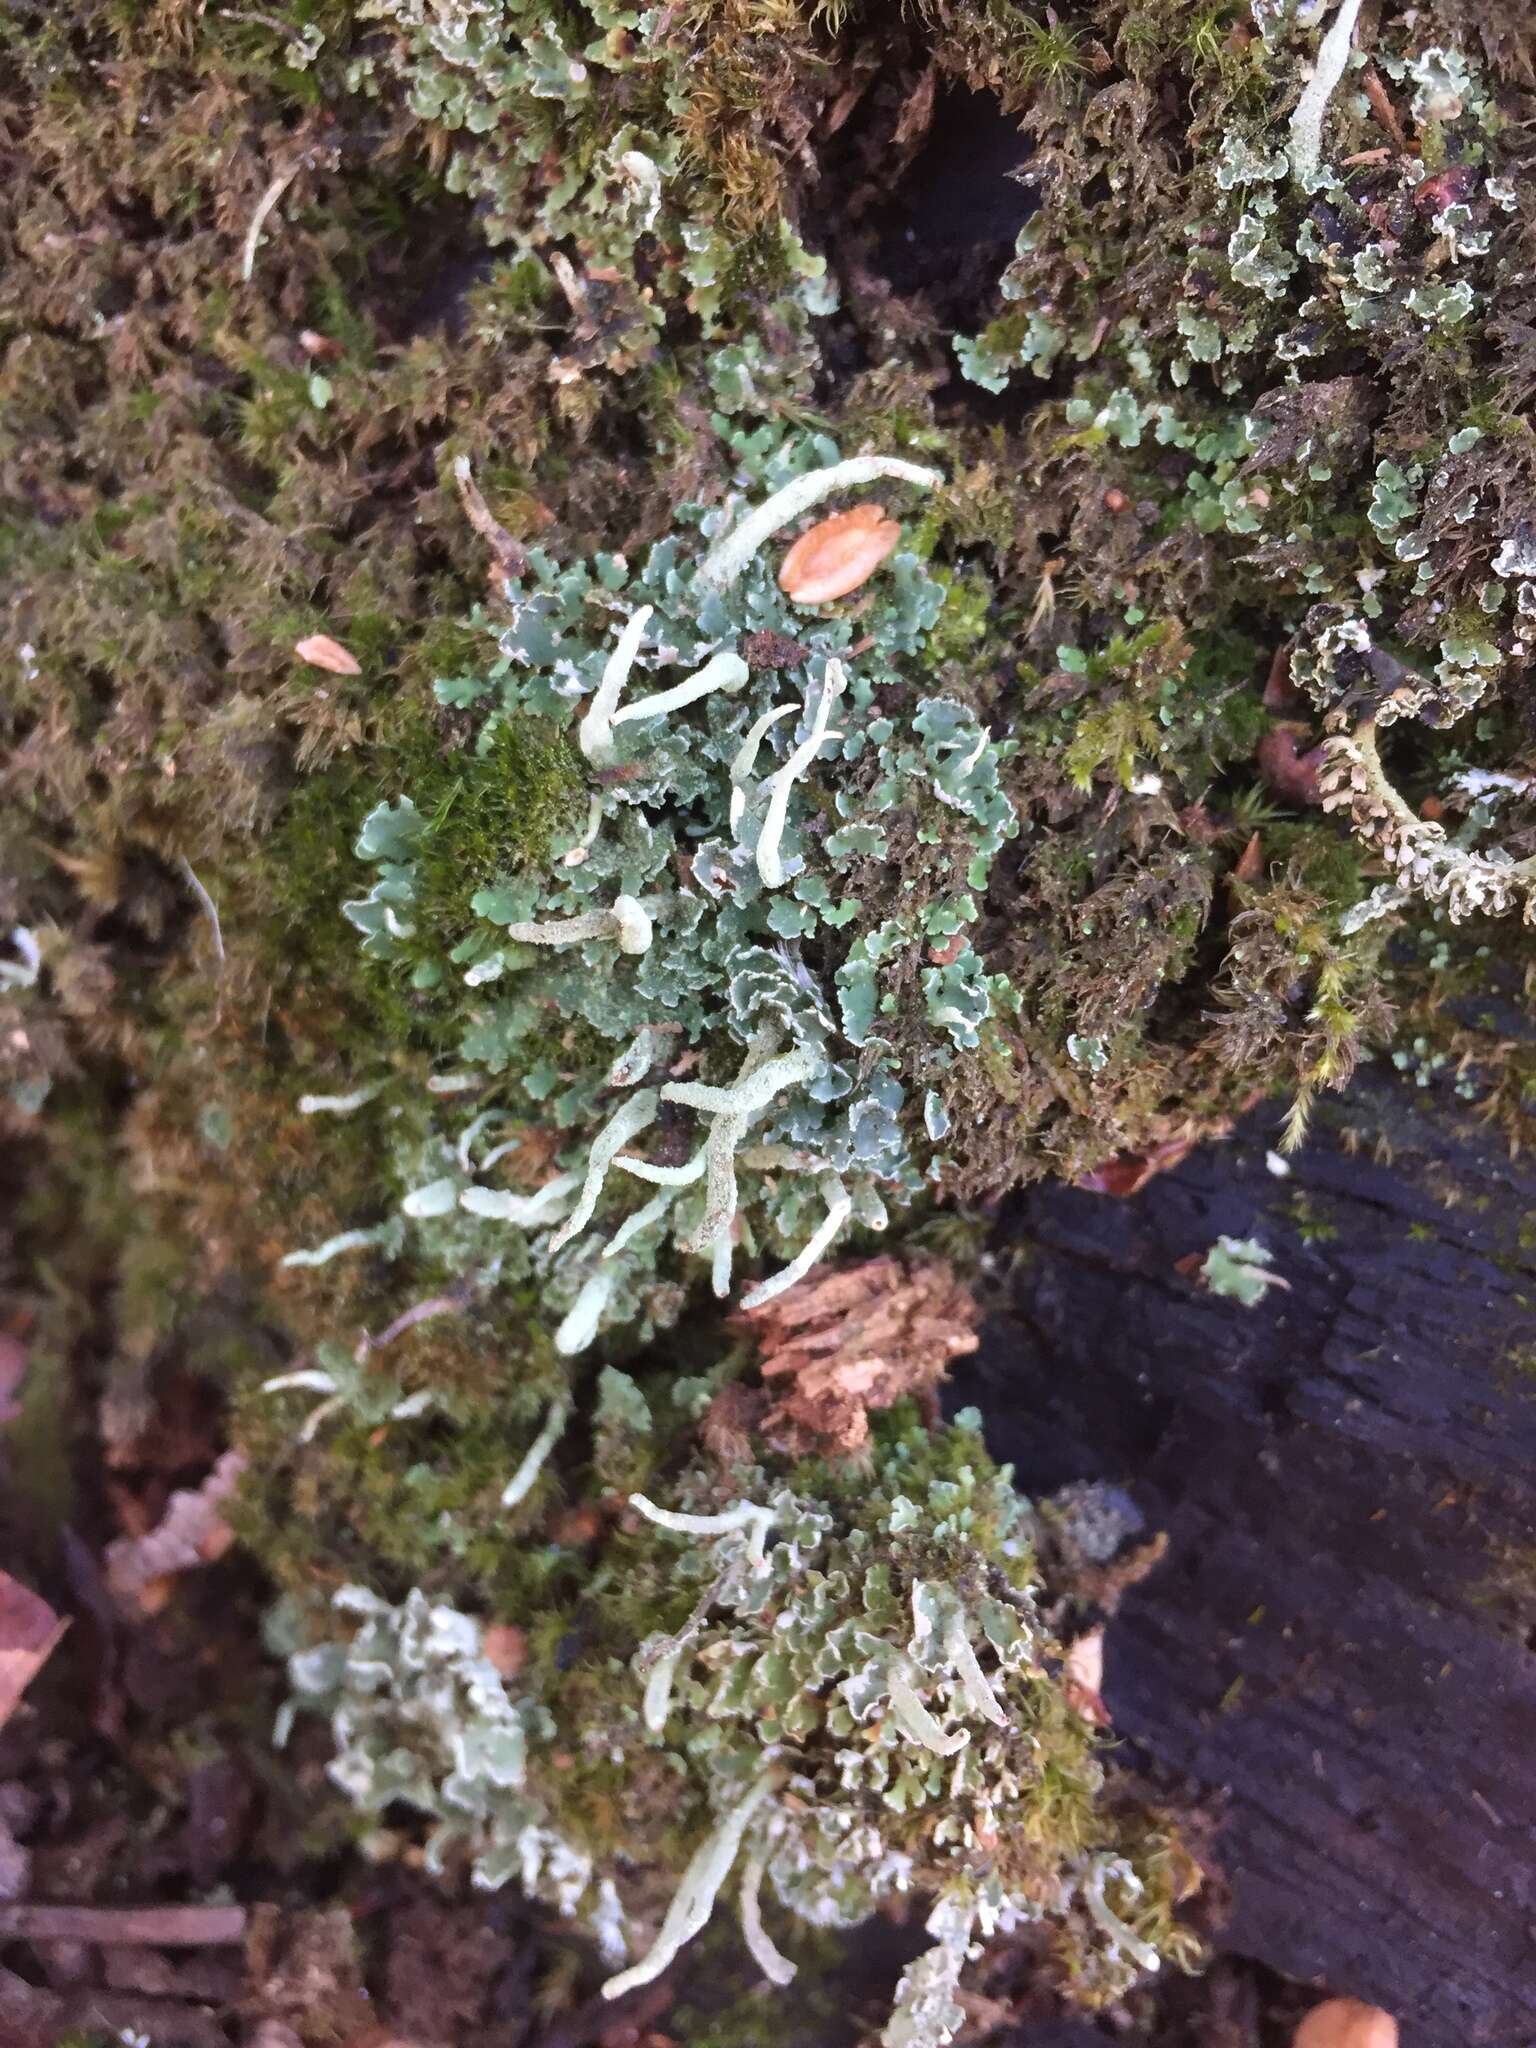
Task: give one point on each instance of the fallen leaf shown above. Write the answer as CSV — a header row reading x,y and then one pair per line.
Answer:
x,y
191,1532
1084,1678
916,116
836,555
1280,694
506,1646
1454,186
1251,862
1346,2023
1130,1172
323,652
29,1633
855,1340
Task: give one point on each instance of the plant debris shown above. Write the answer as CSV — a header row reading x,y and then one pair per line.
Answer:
x,y
839,1347
29,1633
191,1533
321,651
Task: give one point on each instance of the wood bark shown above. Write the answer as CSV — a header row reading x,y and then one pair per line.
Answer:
x,y
1338,1648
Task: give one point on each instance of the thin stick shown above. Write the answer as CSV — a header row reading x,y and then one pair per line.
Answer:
x,y
210,908
1383,109
439,1305
127,1926
264,206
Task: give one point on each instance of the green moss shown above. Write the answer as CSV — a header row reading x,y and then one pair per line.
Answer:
x,y
500,809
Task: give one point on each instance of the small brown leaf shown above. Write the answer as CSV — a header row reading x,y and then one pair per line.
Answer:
x,y
1129,1173
1280,694
1251,862
506,1646
1454,186
836,555
29,1632
323,652
1084,1678
578,1527
1287,772
916,116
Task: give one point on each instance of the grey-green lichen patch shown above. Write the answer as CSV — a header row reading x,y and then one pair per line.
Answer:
x,y
857,1701
754,936
617,131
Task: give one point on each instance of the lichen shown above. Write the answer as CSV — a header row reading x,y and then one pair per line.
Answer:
x,y
859,1701
767,945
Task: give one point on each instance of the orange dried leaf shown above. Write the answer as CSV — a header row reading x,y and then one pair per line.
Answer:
x,y
1129,1173
506,1646
854,1340
1083,1678
836,555
324,652
1288,772
1250,865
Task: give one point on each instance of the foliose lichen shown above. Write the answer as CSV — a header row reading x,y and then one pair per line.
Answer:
x,y
738,981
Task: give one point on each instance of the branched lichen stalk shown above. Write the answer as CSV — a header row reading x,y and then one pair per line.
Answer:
x,y
1353,777
695,1897
1311,109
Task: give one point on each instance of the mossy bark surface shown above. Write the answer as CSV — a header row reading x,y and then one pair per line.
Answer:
x,y
1181,757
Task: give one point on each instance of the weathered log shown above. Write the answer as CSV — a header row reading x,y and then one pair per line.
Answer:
x,y
1338,1646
